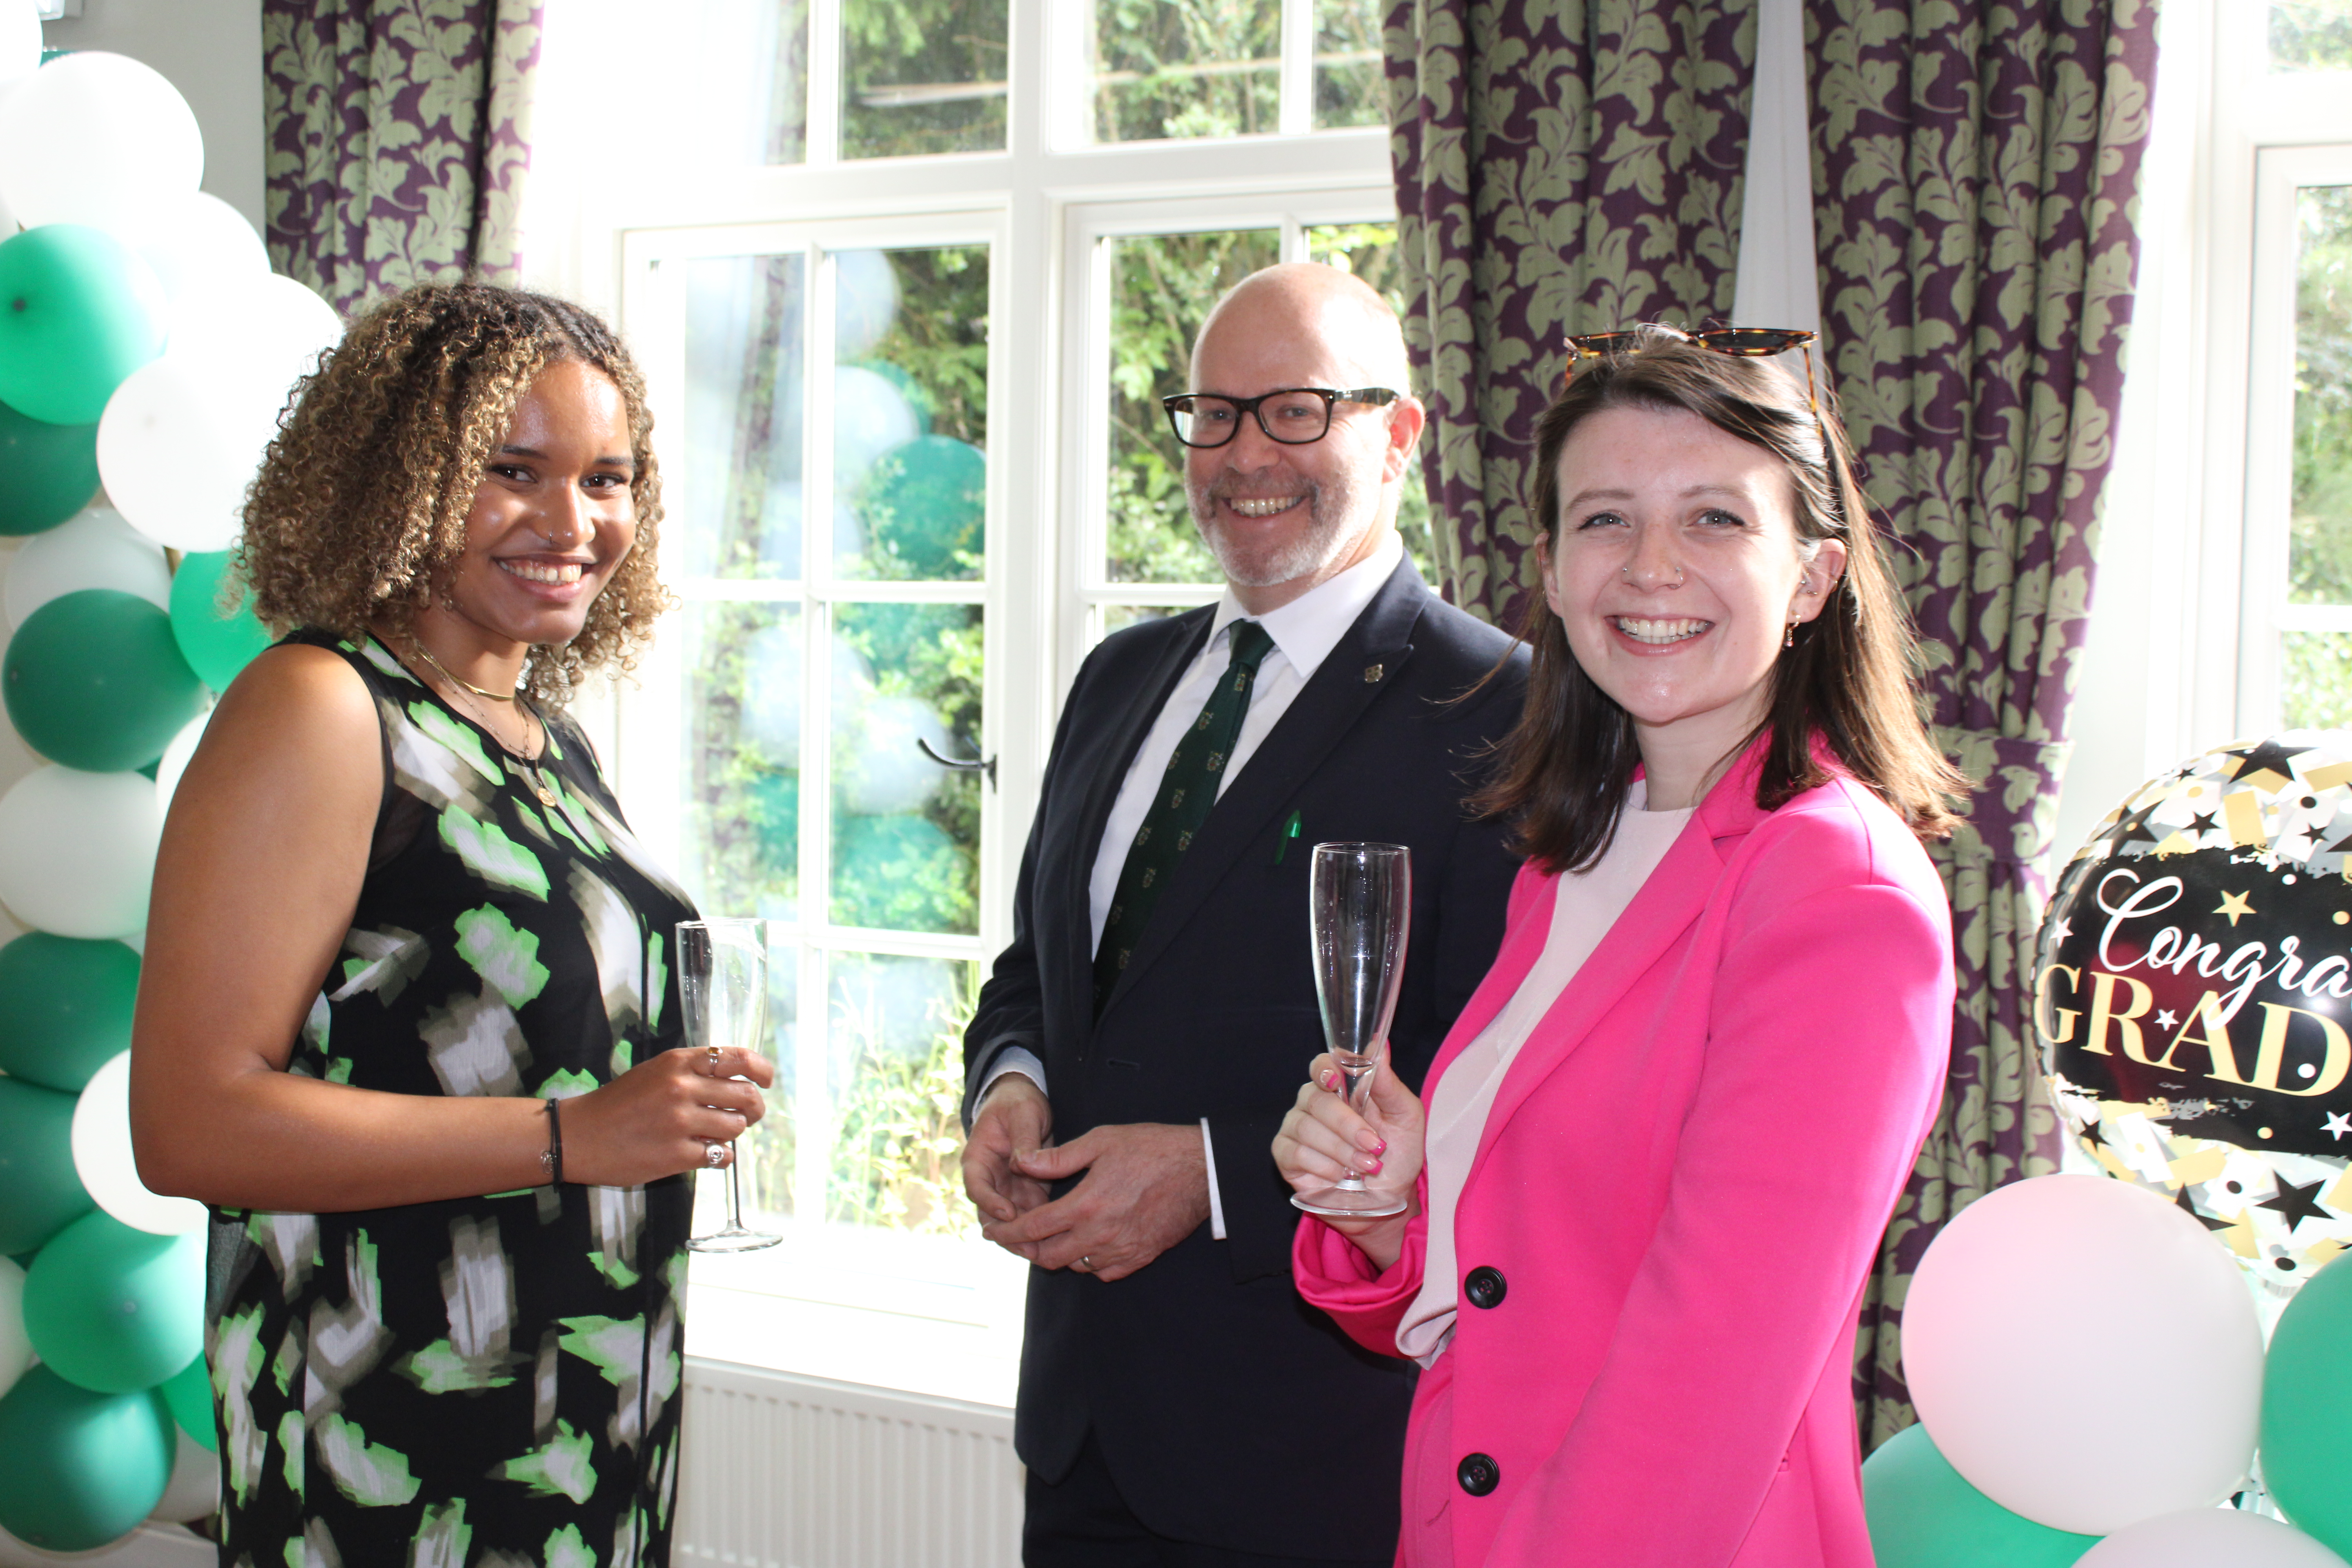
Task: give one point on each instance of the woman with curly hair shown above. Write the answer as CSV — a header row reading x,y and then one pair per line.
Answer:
x,y
409,1003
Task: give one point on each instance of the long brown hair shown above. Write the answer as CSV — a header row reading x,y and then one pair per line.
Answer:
x,y
361,501
1564,769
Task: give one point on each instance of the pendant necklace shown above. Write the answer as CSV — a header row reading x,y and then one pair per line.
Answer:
x,y
537,780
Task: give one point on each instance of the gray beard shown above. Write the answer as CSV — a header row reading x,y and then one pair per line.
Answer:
x,y
1335,522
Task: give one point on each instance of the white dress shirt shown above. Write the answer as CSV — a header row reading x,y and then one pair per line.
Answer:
x,y
1305,631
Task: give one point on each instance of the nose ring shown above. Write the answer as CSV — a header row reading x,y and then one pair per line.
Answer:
x,y
1626,572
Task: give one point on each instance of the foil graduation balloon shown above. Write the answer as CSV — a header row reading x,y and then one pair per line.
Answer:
x,y
2190,997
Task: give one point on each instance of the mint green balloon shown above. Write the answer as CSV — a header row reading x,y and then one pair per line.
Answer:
x,y
39,1193
80,1469
216,645
52,471
116,1310
95,680
78,312
1923,1514
188,1395
65,1007
2306,1427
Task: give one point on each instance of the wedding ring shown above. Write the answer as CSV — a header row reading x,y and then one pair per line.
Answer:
x,y
1086,1264
717,1154
713,1069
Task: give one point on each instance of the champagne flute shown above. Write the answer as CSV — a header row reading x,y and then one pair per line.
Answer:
x,y
722,980
1358,898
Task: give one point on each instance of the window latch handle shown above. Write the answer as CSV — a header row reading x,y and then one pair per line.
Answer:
x,y
985,765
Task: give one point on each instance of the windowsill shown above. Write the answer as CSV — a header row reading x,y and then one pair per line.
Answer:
x,y
919,1314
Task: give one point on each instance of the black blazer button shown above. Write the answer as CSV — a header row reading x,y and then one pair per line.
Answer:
x,y
1478,1473
1484,1286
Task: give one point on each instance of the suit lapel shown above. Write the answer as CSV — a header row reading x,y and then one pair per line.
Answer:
x,y
1323,712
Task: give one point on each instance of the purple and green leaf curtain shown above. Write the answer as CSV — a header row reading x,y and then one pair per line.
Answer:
x,y
1574,165
1562,166
1975,183
397,135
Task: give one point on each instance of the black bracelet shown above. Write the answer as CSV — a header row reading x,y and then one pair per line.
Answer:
x,y
553,1161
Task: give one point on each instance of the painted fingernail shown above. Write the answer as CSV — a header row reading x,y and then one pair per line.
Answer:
x,y
1381,1147
1371,1167
1330,1078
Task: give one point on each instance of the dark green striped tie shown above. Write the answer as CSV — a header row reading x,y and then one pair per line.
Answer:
x,y
1187,790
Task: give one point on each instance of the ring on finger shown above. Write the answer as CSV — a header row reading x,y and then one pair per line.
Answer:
x,y
710,1063
715,1153
1085,1265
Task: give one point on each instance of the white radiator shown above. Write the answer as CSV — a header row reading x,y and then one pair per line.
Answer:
x,y
780,1470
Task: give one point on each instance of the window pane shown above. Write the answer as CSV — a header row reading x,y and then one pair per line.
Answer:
x,y
743,757
1370,251
896,1071
1119,618
910,413
2319,557
767,1151
2311,35
1348,87
923,76
1161,288
906,830
726,81
745,370
2315,679
1185,68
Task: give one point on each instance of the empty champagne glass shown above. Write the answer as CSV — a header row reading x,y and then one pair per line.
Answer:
x,y
723,981
1359,897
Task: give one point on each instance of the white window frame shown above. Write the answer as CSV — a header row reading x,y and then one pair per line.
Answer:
x,y
601,231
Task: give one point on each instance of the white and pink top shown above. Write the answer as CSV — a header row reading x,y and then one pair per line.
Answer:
x,y
1589,903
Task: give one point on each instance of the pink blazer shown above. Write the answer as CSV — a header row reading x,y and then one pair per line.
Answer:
x,y
1682,1185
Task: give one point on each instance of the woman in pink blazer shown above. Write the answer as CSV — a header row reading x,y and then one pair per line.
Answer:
x,y
1663,1140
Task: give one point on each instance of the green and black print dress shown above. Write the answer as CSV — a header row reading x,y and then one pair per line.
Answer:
x,y
488,1380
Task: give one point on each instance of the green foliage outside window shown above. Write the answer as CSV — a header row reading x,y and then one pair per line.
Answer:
x,y
2316,667
1198,67
923,76
2311,35
898,1143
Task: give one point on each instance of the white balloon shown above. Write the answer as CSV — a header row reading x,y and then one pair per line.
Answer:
x,y
16,1347
93,549
103,1158
197,244
870,415
20,40
95,138
260,329
175,760
77,850
193,1490
177,448
2208,1538
2007,1303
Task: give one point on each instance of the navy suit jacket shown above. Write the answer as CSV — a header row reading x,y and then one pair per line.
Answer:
x,y
1232,1414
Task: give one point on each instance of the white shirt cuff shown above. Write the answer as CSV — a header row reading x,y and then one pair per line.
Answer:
x,y
1012,1058
1216,1207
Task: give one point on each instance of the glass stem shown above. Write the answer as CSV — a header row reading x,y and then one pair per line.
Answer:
x,y
735,1190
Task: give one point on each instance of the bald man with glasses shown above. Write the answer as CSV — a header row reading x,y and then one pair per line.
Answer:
x,y
1138,1043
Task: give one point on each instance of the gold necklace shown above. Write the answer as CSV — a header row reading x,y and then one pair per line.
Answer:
x,y
538,779
426,655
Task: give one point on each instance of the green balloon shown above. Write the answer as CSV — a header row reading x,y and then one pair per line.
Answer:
x,y
189,1397
65,1007
80,1469
39,1193
78,312
924,501
216,645
52,471
2306,1425
1923,1514
95,680
116,1310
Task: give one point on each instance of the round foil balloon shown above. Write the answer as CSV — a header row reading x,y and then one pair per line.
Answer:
x,y
2190,997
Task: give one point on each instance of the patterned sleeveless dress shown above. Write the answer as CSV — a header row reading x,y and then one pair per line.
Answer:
x,y
489,1380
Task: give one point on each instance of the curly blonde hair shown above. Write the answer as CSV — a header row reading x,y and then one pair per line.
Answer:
x,y
361,501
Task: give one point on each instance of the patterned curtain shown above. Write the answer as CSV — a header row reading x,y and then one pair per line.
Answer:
x,y
1976,180
398,132
1562,166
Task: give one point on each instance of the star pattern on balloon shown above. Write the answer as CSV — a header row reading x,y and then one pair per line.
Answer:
x,y
2269,758
2338,1124
2233,905
2201,822
2295,1201
2166,1018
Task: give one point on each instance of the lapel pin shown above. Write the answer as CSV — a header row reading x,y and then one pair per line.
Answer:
x,y
1372,673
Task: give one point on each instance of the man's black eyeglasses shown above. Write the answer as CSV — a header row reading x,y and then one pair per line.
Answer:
x,y
1294,415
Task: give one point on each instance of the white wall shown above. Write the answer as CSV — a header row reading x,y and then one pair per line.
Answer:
x,y
211,50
